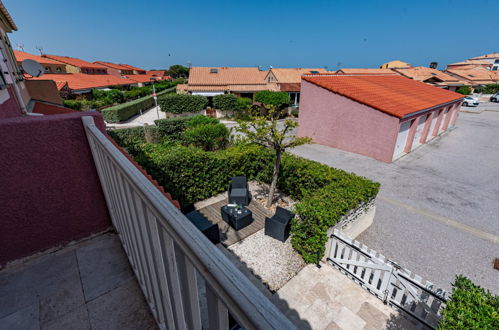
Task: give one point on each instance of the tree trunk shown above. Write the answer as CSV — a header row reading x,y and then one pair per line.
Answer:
x,y
275,175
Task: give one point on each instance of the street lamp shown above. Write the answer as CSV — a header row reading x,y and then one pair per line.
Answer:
x,y
154,95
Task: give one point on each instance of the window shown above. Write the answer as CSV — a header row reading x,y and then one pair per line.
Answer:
x,y
58,69
494,68
47,69
496,61
213,70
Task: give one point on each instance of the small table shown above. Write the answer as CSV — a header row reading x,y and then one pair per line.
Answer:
x,y
236,219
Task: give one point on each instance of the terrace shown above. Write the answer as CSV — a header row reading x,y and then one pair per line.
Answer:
x,y
186,281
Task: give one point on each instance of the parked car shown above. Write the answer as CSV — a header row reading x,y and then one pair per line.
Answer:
x,y
470,101
494,97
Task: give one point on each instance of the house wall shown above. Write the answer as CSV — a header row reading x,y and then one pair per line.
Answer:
x,y
43,90
334,120
50,192
9,107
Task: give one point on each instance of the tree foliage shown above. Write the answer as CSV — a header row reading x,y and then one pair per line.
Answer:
x,y
465,90
267,131
269,98
178,71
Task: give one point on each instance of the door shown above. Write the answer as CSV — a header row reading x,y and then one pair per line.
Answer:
x,y
419,130
401,139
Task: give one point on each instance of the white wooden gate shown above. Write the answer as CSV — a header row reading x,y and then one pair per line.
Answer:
x,y
391,283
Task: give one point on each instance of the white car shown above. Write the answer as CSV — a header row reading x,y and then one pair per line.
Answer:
x,y
470,101
494,97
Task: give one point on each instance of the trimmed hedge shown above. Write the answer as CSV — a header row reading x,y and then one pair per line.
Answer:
x,y
278,99
470,307
124,111
201,120
181,103
172,127
225,102
324,194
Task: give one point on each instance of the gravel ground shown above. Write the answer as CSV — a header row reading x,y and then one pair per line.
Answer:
x,y
454,176
274,262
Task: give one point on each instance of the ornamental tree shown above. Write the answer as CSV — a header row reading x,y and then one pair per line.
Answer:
x,y
267,131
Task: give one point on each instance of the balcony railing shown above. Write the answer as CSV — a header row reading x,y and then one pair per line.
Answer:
x,y
170,256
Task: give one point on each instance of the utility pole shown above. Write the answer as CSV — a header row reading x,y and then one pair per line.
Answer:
x,y
154,96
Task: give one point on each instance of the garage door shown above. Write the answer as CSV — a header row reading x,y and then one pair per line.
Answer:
x,y
401,139
419,131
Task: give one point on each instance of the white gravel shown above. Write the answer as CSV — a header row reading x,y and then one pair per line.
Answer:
x,y
274,262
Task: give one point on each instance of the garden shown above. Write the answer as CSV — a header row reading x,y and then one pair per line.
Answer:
x,y
194,158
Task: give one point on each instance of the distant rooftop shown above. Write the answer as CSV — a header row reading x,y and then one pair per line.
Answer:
x,y
81,81
21,56
74,61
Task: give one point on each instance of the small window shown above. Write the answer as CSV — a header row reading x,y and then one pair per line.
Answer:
x,y
58,69
213,70
494,68
314,72
47,69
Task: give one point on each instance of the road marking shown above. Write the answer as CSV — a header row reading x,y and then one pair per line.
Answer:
x,y
446,221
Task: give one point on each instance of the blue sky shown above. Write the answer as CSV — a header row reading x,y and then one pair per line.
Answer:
x,y
157,34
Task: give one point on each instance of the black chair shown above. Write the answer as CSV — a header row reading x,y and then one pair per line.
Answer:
x,y
209,229
278,226
238,191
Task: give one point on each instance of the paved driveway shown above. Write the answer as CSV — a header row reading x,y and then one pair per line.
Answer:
x,y
438,208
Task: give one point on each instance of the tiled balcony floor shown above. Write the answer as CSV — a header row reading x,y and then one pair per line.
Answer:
x,y
89,285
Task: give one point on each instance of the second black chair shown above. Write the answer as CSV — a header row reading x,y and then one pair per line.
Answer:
x,y
238,191
278,226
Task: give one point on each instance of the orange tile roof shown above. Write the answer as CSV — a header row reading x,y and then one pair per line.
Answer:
x,y
293,75
365,71
118,66
21,56
141,78
422,73
486,56
74,61
476,75
134,68
160,73
226,76
81,81
7,16
392,94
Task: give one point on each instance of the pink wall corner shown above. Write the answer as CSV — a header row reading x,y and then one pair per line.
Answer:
x,y
457,108
426,129
9,108
336,121
50,191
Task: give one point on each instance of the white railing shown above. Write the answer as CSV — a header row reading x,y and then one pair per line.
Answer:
x,y
388,281
170,257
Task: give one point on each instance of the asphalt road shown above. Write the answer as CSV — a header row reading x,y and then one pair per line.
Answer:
x,y
438,207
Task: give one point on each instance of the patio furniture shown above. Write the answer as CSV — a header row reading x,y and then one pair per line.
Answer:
x,y
237,218
209,229
238,191
278,226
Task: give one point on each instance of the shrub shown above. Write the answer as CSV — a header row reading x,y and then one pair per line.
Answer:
x,y
108,96
124,111
294,112
181,103
209,137
465,90
225,102
487,89
191,174
201,120
172,127
243,103
470,307
278,99
73,104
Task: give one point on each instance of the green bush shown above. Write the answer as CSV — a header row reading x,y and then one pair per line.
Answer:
x,y
227,102
181,103
243,103
209,137
465,90
191,174
470,307
73,104
112,96
488,89
172,127
294,112
124,111
201,120
278,99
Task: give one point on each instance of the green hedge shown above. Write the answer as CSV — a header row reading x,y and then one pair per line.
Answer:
x,y
487,89
172,127
470,307
278,99
181,103
324,194
225,102
209,137
124,111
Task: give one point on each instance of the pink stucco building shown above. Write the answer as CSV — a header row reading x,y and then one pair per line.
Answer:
x,y
380,116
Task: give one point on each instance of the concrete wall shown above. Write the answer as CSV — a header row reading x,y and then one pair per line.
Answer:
x,y
50,192
9,107
336,121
